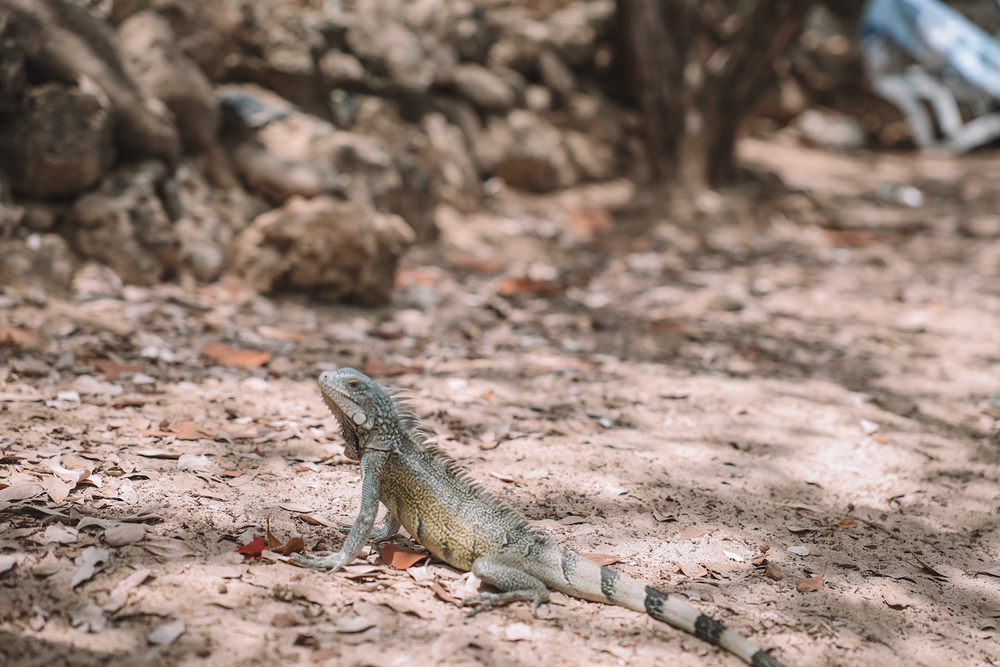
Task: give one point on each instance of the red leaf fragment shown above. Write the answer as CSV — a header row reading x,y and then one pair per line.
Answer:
x,y
253,549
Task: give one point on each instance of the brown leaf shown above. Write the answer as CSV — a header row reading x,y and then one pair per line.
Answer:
x,y
401,558
693,570
774,571
21,491
294,545
442,593
18,337
603,559
125,533
284,621
273,543
230,356
57,489
188,430
513,286
487,265
725,569
376,366
812,583
113,370
690,533
993,572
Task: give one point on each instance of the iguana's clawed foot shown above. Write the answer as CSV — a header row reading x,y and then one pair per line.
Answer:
x,y
331,562
486,601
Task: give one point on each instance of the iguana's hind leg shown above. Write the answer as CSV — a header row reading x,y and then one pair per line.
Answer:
x,y
515,584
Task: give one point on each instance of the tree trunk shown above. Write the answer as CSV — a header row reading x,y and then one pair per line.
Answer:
x,y
656,40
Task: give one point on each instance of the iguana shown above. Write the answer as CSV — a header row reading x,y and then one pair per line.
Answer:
x,y
460,523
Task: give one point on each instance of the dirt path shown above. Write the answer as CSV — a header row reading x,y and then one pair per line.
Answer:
x,y
689,394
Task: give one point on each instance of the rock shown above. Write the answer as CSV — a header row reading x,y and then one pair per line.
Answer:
x,y
460,185
483,88
342,69
555,74
389,49
829,129
538,98
521,39
526,151
59,144
123,224
576,29
278,178
68,43
595,160
323,247
162,71
41,261
466,28
276,51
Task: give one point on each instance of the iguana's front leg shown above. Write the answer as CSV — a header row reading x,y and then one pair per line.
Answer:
x,y
389,528
361,529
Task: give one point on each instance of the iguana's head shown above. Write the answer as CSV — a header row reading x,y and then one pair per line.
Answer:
x,y
359,404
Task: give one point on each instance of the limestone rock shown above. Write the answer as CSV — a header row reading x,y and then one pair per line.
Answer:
x,y
323,247
59,144
123,224
161,69
40,261
526,151
483,88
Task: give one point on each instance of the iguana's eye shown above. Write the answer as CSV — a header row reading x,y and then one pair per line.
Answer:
x,y
353,384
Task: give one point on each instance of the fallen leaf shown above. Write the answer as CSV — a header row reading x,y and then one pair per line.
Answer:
x,y
894,599
244,478
229,356
799,529
18,337
57,488
317,592
296,507
993,572
571,520
167,547
253,549
280,334
158,454
192,461
273,543
812,583
693,570
375,367
87,565
21,491
733,556
442,593
516,632
47,566
294,545
119,596
167,633
773,571
603,559
512,286
724,569
7,562
90,618
125,533
487,265
690,533
113,370
56,533
188,430
284,621
401,558
799,550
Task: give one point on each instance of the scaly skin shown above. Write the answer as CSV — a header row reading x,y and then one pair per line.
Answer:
x,y
458,522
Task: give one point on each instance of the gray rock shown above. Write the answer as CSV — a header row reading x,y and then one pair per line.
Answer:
x,y
323,247
59,144
340,69
43,261
576,29
555,74
153,59
390,49
527,152
483,88
123,224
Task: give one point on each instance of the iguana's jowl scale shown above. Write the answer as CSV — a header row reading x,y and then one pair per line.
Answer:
x,y
461,524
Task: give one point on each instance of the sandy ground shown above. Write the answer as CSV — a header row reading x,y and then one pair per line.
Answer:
x,y
728,395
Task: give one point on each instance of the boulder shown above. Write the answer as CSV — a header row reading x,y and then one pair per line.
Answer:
x,y
391,50
153,59
123,224
329,249
483,88
59,144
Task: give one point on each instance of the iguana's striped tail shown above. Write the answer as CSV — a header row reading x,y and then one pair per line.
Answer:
x,y
583,578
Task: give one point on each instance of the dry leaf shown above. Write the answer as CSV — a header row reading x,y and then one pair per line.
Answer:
x,y
229,356
253,549
125,533
119,596
284,621
401,558
87,565
273,543
18,337
603,559
21,491
90,618
799,550
245,477
488,265
166,547
571,520
724,569
774,571
295,545
693,570
113,370
8,561
280,334
993,571
313,591
812,583
296,507
167,633
56,533
690,533
57,489
442,593
47,566
188,430
590,220
894,598
375,367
